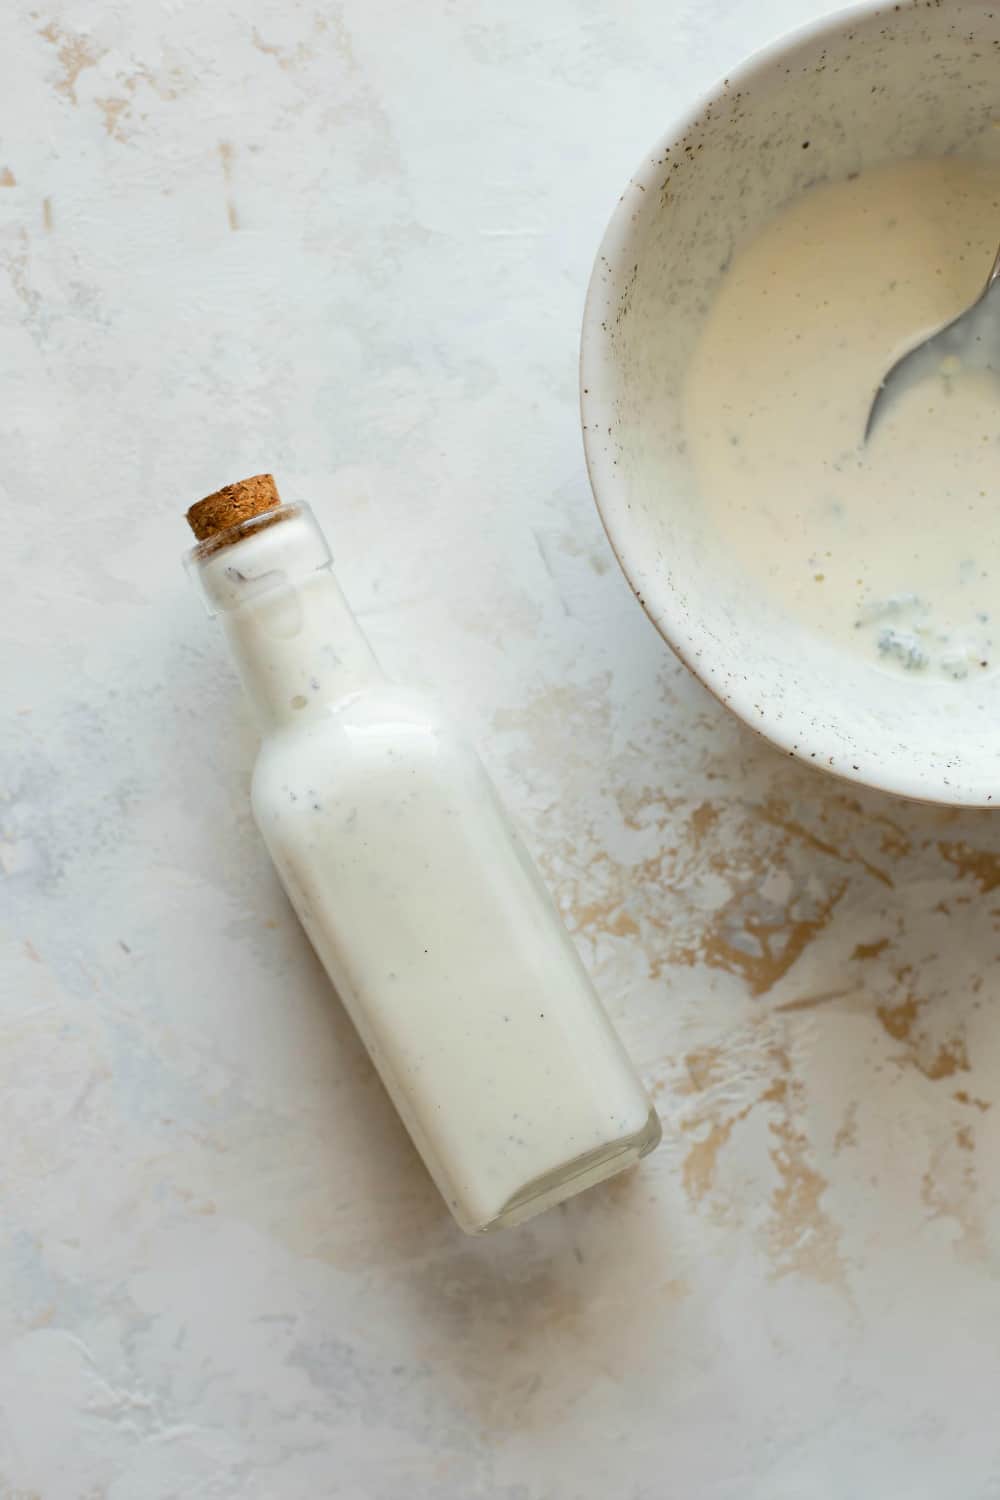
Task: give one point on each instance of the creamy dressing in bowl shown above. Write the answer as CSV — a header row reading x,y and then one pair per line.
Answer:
x,y
890,551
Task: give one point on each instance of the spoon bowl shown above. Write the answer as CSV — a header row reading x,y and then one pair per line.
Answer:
x,y
970,342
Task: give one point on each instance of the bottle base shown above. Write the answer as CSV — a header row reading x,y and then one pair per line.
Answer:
x,y
586,1171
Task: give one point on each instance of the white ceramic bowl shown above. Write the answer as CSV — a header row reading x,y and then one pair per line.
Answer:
x,y
868,86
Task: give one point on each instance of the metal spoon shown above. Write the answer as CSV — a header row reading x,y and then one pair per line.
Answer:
x,y
972,340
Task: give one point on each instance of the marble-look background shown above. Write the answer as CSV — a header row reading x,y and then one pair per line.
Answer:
x,y
350,244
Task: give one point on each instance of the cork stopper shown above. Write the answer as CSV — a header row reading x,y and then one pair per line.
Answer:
x,y
232,504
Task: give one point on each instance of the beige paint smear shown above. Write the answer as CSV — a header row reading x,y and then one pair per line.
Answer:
x,y
799,1236
76,53
936,1060
980,865
759,942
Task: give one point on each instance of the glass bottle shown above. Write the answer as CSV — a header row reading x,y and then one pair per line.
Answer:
x,y
415,890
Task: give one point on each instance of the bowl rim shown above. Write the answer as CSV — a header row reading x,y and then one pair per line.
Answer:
x,y
794,737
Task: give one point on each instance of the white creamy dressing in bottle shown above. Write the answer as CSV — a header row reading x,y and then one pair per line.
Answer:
x,y
419,898
891,549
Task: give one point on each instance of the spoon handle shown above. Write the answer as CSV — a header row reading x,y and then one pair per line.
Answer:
x,y
994,275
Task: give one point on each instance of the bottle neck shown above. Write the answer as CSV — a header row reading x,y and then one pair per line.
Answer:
x,y
296,644
298,649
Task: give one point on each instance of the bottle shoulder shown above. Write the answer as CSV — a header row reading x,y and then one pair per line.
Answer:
x,y
367,737
379,710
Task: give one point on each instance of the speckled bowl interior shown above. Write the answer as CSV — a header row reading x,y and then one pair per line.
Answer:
x,y
868,86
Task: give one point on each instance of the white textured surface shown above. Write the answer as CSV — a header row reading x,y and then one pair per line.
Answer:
x,y
352,246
